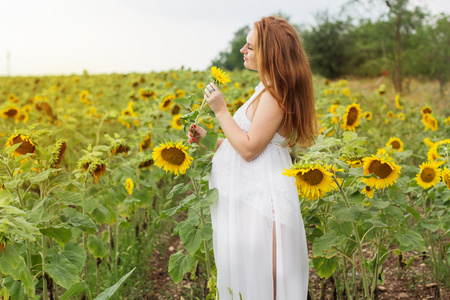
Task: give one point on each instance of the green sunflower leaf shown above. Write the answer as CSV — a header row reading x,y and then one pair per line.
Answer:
x,y
109,292
61,234
191,237
325,267
96,247
180,264
210,140
74,290
410,240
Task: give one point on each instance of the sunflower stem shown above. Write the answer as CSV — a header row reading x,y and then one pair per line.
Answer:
x,y
433,255
43,256
436,268
347,287
358,242
200,110
197,192
377,265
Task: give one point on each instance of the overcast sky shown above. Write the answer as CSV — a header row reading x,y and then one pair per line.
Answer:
x,y
46,37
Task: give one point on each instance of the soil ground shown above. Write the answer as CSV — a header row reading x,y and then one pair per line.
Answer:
x,y
415,282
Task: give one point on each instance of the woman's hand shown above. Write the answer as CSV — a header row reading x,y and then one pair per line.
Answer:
x,y
195,134
214,98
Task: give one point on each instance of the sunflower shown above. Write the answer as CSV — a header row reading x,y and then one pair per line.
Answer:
x,y
401,116
433,152
351,117
312,181
391,114
343,83
333,108
57,153
175,110
146,94
238,103
335,120
10,113
173,157
167,102
368,191
429,143
368,115
446,177
354,161
447,121
146,162
346,92
179,93
120,148
12,98
327,92
46,108
84,98
382,151
219,76
26,108
146,142
201,85
429,174
397,102
429,122
97,169
121,120
176,122
385,170
27,145
395,143
426,110
129,186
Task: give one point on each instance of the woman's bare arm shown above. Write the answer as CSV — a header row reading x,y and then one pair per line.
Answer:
x,y
266,122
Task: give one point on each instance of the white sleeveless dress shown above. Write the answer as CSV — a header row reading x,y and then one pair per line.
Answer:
x,y
253,197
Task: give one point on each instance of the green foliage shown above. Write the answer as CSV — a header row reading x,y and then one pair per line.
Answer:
x,y
328,47
231,59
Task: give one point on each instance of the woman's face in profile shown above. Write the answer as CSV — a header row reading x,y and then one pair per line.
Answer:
x,y
249,52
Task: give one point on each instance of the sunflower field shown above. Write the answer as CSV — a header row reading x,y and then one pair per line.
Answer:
x,y
98,180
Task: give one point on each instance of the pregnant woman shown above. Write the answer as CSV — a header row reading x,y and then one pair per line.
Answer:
x,y
259,240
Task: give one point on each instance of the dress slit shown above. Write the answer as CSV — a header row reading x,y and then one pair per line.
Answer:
x,y
274,260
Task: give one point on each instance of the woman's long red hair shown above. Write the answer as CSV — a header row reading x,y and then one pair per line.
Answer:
x,y
284,70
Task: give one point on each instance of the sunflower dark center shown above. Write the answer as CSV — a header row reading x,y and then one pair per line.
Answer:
x,y
395,145
146,163
427,111
146,143
368,188
173,155
352,116
179,122
382,170
312,177
11,113
25,147
167,103
428,175
175,109
60,154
